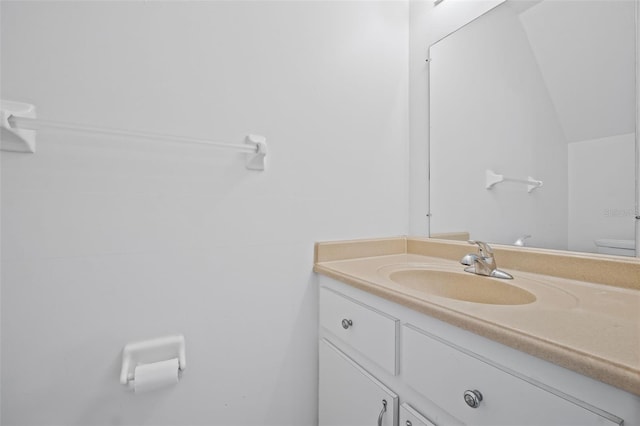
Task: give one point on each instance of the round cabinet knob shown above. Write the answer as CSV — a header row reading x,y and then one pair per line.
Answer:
x,y
472,398
346,323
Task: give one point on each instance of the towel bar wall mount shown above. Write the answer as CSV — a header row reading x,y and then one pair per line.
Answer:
x,y
19,125
493,179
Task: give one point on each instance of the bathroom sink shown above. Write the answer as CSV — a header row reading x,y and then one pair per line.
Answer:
x,y
462,286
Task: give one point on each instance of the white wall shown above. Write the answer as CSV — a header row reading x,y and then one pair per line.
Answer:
x,y
110,241
428,24
566,75
601,190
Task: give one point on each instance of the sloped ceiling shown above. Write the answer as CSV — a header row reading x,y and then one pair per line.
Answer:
x,y
586,53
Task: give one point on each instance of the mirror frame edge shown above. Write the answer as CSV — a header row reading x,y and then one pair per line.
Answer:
x,y
637,63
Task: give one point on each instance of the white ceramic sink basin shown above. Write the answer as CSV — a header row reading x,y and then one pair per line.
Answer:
x,y
462,286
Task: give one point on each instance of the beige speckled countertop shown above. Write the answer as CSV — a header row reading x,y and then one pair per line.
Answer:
x,y
586,316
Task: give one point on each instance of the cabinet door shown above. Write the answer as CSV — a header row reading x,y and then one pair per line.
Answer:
x,y
349,395
410,417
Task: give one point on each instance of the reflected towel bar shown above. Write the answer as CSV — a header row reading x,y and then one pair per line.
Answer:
x,y
493,179
18,117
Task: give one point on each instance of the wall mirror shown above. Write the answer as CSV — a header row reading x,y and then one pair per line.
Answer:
x,y
533,126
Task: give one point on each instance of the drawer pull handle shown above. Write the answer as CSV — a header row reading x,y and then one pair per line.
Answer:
x,y
384,410
346,323
472,398
409,423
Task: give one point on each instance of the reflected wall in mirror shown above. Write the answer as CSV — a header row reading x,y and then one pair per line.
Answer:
x,y
541,91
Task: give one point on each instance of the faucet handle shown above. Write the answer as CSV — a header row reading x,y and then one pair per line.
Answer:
x,y
483,247
520,241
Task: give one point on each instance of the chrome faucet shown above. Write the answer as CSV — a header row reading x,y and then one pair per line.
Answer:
x,y
484,262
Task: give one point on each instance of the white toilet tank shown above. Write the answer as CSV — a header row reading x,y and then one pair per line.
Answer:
x,y
617,247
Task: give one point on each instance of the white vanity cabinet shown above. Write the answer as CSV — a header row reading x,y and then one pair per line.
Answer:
x,y
349,395
359,360
391,349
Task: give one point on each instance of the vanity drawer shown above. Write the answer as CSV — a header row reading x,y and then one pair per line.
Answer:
x,y
443,372
372,333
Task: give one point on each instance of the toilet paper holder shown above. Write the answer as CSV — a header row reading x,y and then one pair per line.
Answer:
x,y
149,351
